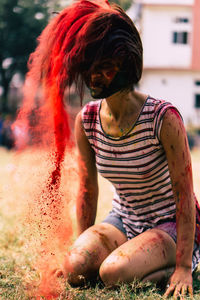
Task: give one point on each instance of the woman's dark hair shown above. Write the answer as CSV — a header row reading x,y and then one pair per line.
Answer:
x,y
107,33
84,33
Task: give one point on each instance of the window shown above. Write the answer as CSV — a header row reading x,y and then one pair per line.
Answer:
x,y
181,20
180,37
181,29
197,100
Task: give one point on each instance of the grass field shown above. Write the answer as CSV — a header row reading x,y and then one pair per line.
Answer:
x,y
19,272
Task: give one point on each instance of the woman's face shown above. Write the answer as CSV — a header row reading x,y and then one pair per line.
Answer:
x,y
99,79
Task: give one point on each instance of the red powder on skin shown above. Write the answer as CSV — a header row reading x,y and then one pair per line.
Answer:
x,y
110,74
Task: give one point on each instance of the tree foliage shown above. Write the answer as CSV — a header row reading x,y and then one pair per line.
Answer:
x,y
125,4
21,21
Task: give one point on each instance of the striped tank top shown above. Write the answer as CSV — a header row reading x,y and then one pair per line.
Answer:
x,y
136,165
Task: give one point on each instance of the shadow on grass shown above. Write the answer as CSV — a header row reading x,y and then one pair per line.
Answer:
x,y
96,290
196,283
133,291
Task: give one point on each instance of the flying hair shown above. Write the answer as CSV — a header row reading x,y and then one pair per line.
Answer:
x,y
83,33
79,35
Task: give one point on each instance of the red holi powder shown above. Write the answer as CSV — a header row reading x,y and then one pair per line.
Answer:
x,y
110,74
45,124
48,211
44,134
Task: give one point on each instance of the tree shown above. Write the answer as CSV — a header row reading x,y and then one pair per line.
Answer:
x,y
125,4
21,21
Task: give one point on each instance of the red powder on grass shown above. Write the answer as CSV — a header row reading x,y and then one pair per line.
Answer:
x,y
49,183
50,177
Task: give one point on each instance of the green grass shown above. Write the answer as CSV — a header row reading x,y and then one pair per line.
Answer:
x,y
14,262
132,291
18,274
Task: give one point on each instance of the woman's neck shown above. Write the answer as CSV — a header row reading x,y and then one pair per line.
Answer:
x,y
119,112
123,103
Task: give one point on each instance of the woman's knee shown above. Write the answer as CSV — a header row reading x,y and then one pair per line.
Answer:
x,y
143,255
79,266
83,258
108,275
87,253
113,270
79,260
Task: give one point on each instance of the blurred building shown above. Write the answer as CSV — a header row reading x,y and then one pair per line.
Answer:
x,y
170,31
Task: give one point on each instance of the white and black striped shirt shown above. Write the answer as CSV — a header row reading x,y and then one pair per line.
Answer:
x,y
136,165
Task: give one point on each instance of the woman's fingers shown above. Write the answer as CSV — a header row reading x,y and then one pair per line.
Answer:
x,y
170,290
190,290
179,291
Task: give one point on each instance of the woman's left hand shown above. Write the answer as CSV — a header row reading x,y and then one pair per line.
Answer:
x,y
180,284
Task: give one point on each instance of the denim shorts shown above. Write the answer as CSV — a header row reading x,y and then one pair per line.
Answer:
x,y
169,227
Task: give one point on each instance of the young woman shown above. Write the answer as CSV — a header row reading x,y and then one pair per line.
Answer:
x,y
134,140
138,143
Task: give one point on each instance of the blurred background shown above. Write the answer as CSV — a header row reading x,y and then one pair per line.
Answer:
x,y
170,32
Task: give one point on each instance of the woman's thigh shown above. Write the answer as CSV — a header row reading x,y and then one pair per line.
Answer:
x,y
92,247
148,252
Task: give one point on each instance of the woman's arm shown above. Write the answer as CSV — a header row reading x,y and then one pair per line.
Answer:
x,y
174,141
86,204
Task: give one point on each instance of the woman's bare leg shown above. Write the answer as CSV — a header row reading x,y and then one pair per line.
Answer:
x,y
140,257
90,250
160,275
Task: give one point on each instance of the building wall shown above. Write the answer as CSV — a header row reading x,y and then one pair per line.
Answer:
x,y
196,36
159,25
167,2
178,87
172,68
